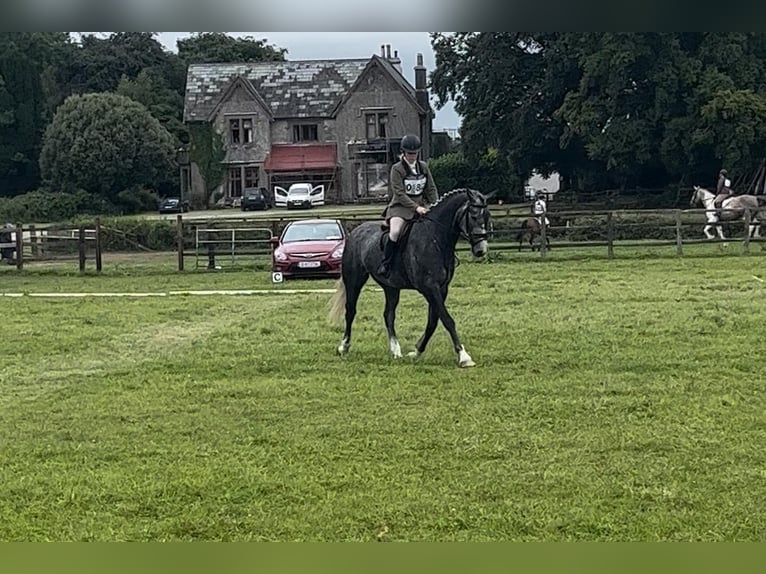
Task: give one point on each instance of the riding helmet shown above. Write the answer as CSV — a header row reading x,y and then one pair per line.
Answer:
x,y
723,172
410,143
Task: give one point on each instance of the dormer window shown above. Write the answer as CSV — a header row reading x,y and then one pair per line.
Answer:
x,y
305,133
241,130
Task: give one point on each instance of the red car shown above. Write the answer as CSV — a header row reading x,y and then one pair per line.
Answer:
x,y
309,248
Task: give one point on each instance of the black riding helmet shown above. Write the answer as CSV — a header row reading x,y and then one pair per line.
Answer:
x,y
410,143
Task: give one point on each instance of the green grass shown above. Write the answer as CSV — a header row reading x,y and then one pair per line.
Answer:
x,y
613,400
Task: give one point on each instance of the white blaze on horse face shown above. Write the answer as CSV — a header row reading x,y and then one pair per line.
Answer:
x,y
396,350
464,359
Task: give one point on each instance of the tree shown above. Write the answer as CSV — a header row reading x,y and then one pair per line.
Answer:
x,y
23,105
151,89
105,143
207,47
608,109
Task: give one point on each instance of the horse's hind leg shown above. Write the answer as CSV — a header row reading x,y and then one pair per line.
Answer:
x,y
353,290
389,316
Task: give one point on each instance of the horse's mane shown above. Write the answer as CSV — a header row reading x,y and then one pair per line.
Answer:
x,y
451,194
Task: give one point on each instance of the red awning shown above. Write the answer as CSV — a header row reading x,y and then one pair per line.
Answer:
x,y
285,157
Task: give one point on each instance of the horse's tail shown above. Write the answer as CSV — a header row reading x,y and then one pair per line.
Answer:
x,y
338,303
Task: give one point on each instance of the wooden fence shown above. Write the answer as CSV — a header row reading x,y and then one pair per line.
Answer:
x,y
232,241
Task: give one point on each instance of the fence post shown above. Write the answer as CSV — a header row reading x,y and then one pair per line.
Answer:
x,y
679,239
543,236
180,241
610,235
19,246
81,247
33,240
210,251
746,243
98,245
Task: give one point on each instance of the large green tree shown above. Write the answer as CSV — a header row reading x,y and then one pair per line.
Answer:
x,y
24,104
609,109
206,47
105,143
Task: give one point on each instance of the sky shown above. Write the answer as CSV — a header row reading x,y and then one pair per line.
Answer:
x,y
331,45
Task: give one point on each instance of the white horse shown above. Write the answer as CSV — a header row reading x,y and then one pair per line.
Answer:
x,y
733,208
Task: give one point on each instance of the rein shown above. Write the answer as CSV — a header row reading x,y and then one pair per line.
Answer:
x,y
462,227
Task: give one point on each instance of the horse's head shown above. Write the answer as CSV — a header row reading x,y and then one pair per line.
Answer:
x,y
474,222
695,196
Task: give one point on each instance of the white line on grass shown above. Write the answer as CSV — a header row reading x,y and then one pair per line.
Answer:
x,y
174,293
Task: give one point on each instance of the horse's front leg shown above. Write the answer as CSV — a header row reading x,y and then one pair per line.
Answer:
x,y
389,316
464,359
433,320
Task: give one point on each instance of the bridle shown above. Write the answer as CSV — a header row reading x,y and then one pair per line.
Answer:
x,y
463,212
461,217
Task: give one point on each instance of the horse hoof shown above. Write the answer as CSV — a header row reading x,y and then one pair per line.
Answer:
x,y
465,360
396,356
342,350
413,355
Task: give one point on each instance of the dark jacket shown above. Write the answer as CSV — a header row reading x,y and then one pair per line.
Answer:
x,y
721,188
407,190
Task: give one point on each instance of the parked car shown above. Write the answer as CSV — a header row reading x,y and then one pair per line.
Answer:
x,y
299,195
173,205
309,248
255,198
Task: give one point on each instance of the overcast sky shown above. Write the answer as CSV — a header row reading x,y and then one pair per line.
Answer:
x,y
329,45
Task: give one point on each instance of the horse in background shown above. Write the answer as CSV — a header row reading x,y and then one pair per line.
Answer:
x,y
530,230
425,262
732,209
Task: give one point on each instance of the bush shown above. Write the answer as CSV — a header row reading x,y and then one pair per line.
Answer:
x,y
137,199
43,206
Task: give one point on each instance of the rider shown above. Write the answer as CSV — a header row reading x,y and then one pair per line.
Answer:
x,y
411,191
723,189
540,208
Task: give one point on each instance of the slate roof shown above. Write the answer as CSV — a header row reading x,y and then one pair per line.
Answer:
x,y
292,89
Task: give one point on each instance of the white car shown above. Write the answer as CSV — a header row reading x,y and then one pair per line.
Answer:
x,y
300,195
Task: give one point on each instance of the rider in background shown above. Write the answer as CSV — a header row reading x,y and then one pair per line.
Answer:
x,y
723,189
540,208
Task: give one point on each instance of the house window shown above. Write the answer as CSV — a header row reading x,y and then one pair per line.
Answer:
x,y
241,130
185,181
247,130
235,182
305,133
234,127
251,177
376,125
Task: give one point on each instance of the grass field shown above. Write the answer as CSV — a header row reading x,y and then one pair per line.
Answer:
x,y
613,400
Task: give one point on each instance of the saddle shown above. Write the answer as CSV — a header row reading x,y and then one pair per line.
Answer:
x,y
384,227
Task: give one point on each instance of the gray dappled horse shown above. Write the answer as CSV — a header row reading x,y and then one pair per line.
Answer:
x,y
732,209
425,262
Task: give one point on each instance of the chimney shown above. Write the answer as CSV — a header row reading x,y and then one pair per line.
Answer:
x,y
395,61
421,94
388,51
382,51
420,74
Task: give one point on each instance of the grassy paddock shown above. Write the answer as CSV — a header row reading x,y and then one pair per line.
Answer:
x,y
613,400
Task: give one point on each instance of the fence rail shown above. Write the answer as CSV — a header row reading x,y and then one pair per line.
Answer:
x,y
214,241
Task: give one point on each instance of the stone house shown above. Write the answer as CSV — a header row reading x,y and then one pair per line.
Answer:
x,y
331,122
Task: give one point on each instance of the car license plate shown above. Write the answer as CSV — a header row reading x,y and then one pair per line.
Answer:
x,y
308,264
